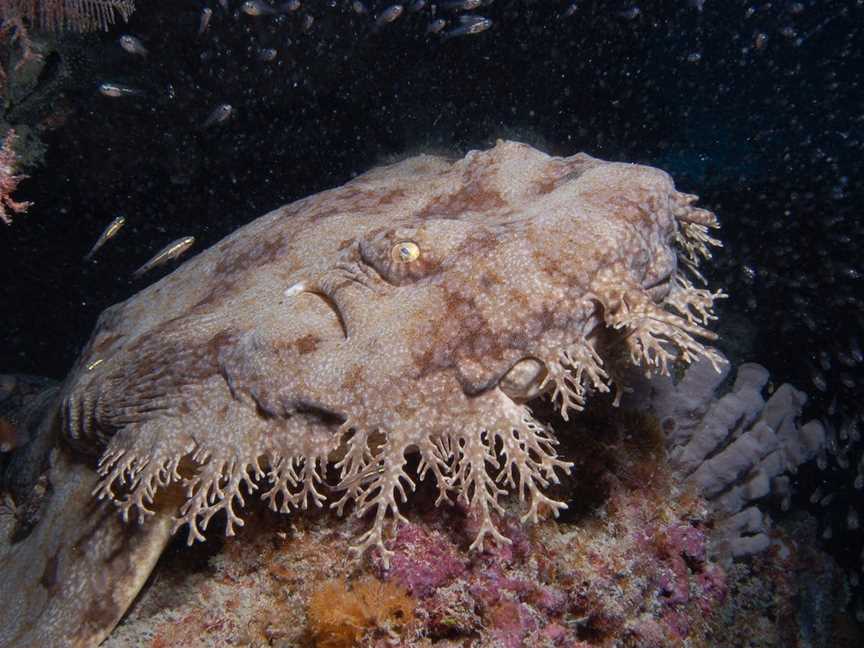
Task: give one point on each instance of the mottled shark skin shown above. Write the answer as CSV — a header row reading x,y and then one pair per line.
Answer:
x,y
69,566
416,309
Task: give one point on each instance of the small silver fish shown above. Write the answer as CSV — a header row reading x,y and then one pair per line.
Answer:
x,y
460,5
291,5
257,8
218,115
480,24
359,7
223,4
133,45
115,90
436,26
204,22
417,5
390,14
107,234
169,252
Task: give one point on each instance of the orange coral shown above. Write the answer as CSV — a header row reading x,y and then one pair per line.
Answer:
x,y
339,617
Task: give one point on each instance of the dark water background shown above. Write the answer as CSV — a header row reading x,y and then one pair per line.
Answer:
x,y
756,106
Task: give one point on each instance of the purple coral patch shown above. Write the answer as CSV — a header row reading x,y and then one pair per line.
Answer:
x,y
423,560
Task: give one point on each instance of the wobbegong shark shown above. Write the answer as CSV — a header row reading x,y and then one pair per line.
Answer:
x,y
415,311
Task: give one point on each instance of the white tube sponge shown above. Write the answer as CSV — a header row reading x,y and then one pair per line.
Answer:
x,y
734,411
734,448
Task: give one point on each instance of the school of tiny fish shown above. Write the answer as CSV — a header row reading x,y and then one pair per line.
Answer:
x,y
447,19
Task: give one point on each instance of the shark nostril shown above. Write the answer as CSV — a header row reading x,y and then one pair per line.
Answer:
x,y
333,306
522,382
301,290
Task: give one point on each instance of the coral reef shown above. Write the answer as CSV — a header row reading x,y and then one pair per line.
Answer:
x,y
636,560
632,568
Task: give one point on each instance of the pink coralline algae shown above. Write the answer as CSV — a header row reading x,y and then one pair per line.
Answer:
x,y
424,560
636,577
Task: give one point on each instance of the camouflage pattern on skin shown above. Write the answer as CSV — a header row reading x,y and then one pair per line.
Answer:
x,y
70,567
415,309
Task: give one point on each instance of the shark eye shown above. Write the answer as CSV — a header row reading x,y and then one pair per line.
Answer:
x,y
405,252
402,255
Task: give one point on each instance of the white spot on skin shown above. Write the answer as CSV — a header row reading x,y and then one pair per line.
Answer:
x,y
296,289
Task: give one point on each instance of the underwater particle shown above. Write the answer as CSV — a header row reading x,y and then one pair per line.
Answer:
x,y
760,40
818,380
359,8
630,14
855,350
171,251
436,26
570,10
107,234
417,5
266,54
219,115
133,45
694,57
339,617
